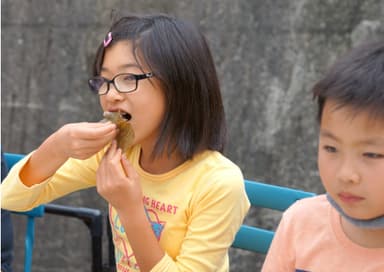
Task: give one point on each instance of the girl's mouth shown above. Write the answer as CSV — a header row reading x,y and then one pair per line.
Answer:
x,y
127,116
114,116
125,136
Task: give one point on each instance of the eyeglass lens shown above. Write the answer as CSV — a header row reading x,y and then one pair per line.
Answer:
x,y
122,82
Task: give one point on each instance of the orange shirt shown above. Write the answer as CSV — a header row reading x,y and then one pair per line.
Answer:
x,y
310,238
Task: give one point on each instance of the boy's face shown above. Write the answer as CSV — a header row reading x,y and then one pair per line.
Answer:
x,y
351,160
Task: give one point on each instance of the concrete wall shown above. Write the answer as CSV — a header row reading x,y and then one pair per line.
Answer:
x,y
268,55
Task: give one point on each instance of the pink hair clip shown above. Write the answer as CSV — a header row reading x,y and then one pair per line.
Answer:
x,y
108,39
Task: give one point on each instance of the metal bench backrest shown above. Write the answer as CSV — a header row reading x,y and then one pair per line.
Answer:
x,y
92,218
269,196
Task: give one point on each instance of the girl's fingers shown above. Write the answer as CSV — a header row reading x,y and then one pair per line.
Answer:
x,y
96,143
128,168
96,124
95,132
114,156
125,164
111,150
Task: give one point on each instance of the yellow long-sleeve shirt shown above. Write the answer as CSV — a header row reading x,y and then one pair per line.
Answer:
x,y
195,210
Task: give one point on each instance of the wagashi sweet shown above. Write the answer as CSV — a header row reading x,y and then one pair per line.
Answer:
x,y
126,135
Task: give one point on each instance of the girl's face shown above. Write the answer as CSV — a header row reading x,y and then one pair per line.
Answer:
x,y
145,105
351,160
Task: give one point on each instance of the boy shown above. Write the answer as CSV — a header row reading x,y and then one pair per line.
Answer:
x,y
342,230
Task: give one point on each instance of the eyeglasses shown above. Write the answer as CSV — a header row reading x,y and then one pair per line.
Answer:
x,y
124,83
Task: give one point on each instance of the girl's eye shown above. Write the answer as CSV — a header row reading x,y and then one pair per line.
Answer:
x,y
128,77
330,149
373,155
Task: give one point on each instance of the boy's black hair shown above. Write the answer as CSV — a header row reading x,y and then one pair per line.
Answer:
x,y
179,57
356,80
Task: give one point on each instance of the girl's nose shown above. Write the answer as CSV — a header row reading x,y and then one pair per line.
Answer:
x,y
113,94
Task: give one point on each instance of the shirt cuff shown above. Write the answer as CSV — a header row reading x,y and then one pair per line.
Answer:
x,y
164,264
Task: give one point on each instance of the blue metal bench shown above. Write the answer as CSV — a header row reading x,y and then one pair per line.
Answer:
x,y
269,196
93,219
249,238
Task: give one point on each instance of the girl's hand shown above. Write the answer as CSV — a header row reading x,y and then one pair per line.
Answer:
x,y
78,140
118,182
82,140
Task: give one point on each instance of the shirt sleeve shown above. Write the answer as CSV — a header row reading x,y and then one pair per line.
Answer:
x,y
216,214
74,175
163,265
280,256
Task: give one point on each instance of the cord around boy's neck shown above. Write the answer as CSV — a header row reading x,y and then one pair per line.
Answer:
x,y
375,223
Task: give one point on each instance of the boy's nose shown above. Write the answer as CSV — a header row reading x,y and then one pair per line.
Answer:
x,y
348,173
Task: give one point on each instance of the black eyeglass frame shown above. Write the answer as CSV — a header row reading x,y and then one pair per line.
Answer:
x,y
112,81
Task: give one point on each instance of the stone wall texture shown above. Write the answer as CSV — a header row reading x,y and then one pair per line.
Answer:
x,y
268,56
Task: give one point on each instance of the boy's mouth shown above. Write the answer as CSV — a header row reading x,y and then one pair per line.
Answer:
x,y
349,198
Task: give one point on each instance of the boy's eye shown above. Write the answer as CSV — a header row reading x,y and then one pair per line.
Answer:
x,y
330,149
373,155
